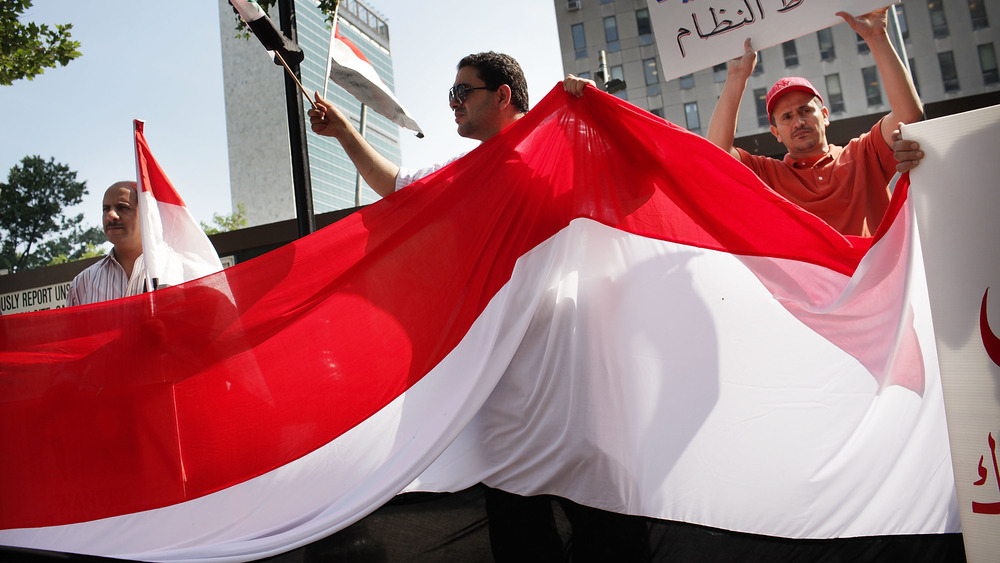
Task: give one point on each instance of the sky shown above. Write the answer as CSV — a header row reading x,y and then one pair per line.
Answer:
x,y
162,63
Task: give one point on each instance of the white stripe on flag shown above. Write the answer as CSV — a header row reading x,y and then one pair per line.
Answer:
x,y
658,403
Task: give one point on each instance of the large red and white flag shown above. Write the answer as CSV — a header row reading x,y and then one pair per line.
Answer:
x,y
594,304
174,248
352,71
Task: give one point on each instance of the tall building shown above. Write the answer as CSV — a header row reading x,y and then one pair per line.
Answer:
x,y
257,126
951,47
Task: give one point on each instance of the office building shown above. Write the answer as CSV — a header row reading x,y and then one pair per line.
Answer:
x,y
256,122
951,47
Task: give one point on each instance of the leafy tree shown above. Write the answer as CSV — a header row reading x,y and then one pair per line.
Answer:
x,y
79,244
34,231
224,223
27,49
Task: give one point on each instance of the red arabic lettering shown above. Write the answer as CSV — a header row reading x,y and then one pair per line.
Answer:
x,y
990,340
988,507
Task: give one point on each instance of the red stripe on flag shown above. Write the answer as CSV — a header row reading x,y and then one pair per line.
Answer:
x,y
151,177
352,46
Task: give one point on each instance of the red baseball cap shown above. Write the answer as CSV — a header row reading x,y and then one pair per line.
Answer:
x,y
786,85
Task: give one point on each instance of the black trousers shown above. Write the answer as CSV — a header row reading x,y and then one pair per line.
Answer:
x,y
549,529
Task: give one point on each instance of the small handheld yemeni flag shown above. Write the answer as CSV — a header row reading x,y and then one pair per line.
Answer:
x,y
352,71
174,248
272,39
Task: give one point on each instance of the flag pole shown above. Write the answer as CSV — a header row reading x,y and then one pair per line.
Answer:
x,y
357,180
137,127
329,50
298,145
296,79
898,36
364,109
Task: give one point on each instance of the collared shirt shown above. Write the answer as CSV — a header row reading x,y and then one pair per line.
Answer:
x,y
407,176
106,280
847,187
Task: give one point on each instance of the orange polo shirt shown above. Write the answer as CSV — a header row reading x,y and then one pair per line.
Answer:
x,y
847,187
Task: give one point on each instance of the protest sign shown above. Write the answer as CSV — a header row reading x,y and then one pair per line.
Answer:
x,y
956,201
695,35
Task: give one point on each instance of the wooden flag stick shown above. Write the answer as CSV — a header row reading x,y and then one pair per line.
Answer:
x,y
292,74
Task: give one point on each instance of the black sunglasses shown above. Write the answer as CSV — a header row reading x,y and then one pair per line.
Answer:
x,y
459,92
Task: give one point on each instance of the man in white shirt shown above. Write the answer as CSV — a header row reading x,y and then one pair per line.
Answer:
x,y
489,94
121,273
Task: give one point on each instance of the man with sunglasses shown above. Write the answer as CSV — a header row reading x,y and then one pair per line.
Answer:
x,y
490,93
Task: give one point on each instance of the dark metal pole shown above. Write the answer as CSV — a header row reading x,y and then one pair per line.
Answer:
x,y
298,148
358,182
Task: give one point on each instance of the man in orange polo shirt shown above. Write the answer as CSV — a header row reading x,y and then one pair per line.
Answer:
x,y
845,186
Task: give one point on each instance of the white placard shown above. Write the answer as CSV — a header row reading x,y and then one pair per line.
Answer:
x,y
696,34
34,299
957,201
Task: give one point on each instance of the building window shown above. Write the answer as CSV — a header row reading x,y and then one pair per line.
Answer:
x,y
913,75
584,75
978,12
579,41
652,75
607,1
949,74
611,34
904,28
760,97
691,116
368,18
863,48
834,94
687,82
720,71
988,62
826,50
939,24
658,112
791,53
645,27
758,69
872,89
618,71
642,21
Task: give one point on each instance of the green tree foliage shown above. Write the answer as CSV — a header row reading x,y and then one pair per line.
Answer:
x,y
77,245
26,50
34,229
224,223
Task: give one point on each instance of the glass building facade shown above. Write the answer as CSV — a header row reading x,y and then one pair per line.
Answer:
x,y
334,177
951,47
257,123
